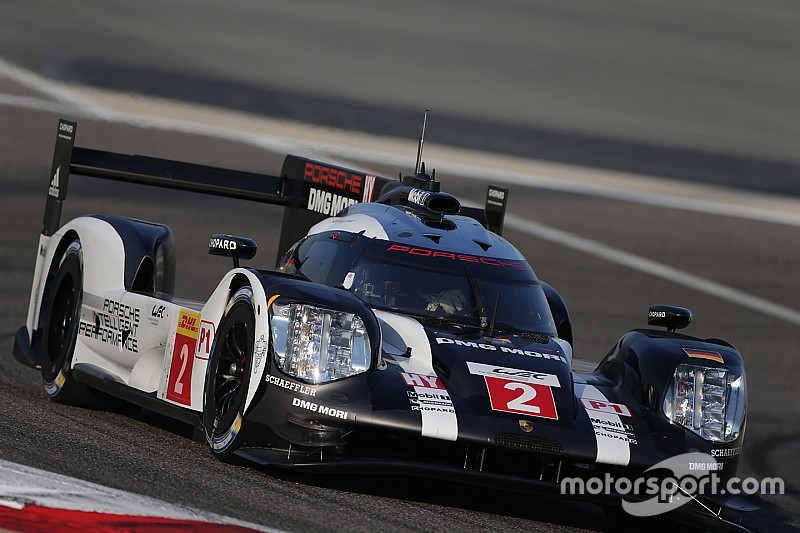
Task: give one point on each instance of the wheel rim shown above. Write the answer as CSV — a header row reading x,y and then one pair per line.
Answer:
x,y
230,373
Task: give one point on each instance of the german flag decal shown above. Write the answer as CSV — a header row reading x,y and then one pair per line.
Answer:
x,y
704,354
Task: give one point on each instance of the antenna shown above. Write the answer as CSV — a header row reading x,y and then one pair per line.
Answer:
x,y
421,140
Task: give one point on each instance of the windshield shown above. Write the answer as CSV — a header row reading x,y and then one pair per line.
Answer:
x,y
432,283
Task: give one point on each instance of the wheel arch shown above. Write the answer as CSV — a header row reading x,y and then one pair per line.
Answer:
x,y
644,361
102,256
117,252
559,311
49,275
149,251
216,305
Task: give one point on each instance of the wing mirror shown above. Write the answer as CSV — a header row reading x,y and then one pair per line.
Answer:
x,y
669,316
232,246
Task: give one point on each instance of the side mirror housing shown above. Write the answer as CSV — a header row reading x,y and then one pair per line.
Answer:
x,y
669,316
232,246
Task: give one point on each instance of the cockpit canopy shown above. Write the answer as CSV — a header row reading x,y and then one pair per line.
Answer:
x,y
459,288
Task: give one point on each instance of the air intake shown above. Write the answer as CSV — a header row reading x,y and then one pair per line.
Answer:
x,y
541,338
535,443
420,200
435,202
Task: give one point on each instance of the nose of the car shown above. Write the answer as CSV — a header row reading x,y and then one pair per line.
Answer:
x,y
511,383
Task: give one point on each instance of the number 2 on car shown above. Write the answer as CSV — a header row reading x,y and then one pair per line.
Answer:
x,y
532,399
179,386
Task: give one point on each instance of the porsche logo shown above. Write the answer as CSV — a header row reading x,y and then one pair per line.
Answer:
x,y
526,426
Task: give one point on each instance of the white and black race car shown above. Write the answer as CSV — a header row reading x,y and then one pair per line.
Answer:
x,y
399,333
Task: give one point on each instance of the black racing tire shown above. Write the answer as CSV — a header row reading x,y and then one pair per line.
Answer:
x,y
228,375
61,332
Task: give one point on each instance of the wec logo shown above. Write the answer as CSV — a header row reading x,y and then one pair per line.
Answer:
x,y
513,374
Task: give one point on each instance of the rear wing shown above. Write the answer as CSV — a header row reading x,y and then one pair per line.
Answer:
x,y
309,190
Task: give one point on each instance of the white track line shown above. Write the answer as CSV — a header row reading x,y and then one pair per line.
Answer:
x,y
36,104
23,485
636,262
658,199
85,102
51,88
330,151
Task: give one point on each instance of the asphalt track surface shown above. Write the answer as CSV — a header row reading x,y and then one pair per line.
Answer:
x,y
693,90
151,455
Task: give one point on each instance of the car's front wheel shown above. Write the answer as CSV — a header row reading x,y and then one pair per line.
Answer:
x,y
228,375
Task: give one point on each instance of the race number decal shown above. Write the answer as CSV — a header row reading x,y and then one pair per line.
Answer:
x,y
522,392
532,399
179,386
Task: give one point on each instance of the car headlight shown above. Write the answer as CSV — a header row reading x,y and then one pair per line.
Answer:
x,y
710,401
319,345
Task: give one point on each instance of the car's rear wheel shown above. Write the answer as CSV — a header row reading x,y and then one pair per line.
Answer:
x,y
228,375
61,332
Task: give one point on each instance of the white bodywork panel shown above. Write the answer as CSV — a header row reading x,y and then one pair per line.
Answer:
x,y
103,264
132,337
439,424
352,223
